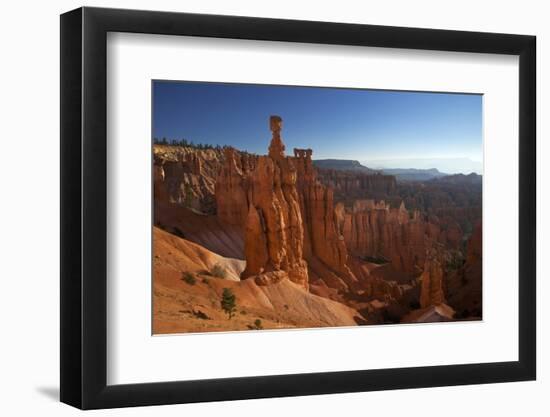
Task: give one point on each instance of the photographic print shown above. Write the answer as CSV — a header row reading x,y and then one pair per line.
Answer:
x,y
279,207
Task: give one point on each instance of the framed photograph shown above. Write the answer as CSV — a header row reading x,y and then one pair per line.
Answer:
x,y
259,208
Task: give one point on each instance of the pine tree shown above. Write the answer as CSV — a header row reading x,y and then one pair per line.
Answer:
x,y
229,302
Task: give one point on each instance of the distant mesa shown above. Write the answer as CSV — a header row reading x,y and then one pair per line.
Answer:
x,y
400,174
414,174
458,179
342,164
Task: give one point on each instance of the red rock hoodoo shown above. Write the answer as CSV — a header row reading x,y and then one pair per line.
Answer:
x,y
274,237
431,287
374,230
324,245
287,214
350,185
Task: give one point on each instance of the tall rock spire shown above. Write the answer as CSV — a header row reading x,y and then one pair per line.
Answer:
x,y
274,234
276,147
431,290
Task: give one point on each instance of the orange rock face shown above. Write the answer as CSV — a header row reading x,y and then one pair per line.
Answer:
x,y
323,239
464,286
374,230
288,215
274,237
292,226
474,251
431,290
349,185
231,186
185,176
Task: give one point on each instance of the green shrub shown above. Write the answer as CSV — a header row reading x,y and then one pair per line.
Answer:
x,y
258,324
189,278
218,271
229,302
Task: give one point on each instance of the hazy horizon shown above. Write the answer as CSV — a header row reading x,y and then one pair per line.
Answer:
x,y
381,129
443,165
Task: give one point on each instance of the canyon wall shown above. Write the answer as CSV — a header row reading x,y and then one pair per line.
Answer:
x,y
349,185
373,230
324,245
232,184
185,176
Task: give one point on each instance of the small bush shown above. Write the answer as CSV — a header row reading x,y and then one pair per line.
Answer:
x,y
256,326
206,281
229,302
218,271
189,278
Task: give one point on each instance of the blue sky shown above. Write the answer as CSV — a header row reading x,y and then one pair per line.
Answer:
x,y
380,128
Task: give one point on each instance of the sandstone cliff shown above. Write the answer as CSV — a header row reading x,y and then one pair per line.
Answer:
x,y
324,245
375,231
352,185
186,176
232,184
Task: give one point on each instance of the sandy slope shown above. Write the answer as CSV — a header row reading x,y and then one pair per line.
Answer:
x,y
183,307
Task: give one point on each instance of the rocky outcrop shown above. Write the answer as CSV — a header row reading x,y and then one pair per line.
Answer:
x,y
185,176
350,185
324,245
287,215
374,231
274,236
232,185
464,285
431,314
431,282
453,204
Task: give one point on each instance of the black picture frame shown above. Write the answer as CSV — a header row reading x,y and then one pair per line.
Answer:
x,y
84,207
